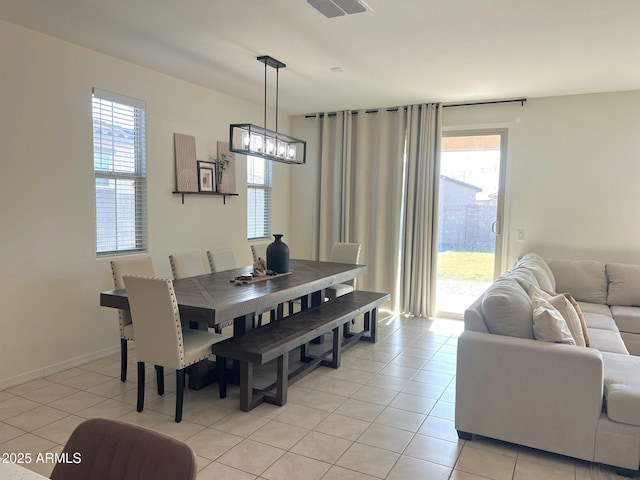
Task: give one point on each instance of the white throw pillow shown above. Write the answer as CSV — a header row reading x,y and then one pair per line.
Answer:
x,y
568,312
548,323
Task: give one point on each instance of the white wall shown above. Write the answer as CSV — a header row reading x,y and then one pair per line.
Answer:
x,y
573,174
50,278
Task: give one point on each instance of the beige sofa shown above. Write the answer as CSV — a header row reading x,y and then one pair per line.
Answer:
x,y
579,401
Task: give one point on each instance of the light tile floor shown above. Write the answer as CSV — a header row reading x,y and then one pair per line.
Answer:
x,y
388,412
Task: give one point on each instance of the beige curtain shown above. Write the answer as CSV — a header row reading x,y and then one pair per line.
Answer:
x,y
376,188
420,225
361,190
335,165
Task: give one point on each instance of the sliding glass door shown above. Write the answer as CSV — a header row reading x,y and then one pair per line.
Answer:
x,y
469,217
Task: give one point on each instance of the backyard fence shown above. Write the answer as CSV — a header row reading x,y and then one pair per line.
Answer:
x,y
467,228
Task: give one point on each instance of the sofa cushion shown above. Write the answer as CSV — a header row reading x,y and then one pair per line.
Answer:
x,y
549,324
623,404
627,318
600,322
539,268
587,307
586,280
632,342
473,319
607,341
622,387
506,309
624,284
523,276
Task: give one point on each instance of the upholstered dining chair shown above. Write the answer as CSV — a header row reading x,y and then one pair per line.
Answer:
x,y
259,250
119,268
102,449
187,264
221,259
160,338
344,253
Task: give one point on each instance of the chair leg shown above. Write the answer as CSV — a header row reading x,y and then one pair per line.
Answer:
x,y
123,359
160,379
222,375
179,394
140,386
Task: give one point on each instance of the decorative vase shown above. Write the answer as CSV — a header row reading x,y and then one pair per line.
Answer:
x,y
278,255
219,179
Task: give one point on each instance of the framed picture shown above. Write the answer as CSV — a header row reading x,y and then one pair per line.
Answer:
x,y
206,177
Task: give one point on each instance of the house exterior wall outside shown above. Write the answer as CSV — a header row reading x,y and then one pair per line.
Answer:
x,y
50,278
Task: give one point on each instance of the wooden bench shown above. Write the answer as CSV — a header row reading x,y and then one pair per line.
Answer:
x,y
277,339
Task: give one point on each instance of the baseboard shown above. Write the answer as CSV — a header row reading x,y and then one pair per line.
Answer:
x,y
57,367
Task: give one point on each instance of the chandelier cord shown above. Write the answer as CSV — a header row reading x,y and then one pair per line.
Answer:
x,y
265,95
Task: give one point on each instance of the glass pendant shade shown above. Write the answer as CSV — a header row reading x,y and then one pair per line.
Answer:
x,y
248,139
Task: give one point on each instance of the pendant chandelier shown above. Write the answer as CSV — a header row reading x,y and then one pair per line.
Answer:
x,y
249,139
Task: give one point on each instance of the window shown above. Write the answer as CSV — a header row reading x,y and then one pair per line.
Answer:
x,y
119,151
258,198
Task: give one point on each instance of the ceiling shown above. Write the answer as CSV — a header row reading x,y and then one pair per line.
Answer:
x,y
402,52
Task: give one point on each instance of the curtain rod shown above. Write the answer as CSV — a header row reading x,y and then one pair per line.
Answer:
x,y
488,102
375,110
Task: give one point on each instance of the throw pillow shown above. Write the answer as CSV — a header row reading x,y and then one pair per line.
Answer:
x,y
578,310
548,323
583,323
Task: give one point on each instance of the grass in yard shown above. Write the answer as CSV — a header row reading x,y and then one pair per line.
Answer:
x,y
466,266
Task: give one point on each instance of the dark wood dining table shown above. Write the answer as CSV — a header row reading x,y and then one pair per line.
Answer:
x,y
213,300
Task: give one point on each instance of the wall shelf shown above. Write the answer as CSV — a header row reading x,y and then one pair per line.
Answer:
x,y
219,194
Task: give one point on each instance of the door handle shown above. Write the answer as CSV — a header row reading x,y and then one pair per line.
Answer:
x,y
495,227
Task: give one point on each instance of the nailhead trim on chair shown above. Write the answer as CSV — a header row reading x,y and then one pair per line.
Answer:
x,y
176,318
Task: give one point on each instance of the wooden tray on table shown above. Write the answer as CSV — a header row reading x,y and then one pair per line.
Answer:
x,y
249,279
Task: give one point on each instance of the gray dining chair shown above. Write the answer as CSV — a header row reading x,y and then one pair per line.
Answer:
x,y
105,449
343,253
221,259
187,264
160,338
119,268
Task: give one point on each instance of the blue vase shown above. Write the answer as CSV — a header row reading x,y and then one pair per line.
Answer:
x,y
278,255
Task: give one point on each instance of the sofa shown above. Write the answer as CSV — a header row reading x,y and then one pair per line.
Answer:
x,y
579,398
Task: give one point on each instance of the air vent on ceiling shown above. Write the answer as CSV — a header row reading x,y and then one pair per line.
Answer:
x,y
337,8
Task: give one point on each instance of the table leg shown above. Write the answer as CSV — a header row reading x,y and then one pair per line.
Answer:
x,y
282,379
246,386
317,298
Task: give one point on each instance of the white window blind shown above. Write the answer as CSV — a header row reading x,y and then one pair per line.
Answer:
x,y
119,163
258,198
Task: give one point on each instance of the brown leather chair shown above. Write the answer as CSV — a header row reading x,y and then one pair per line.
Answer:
x,y
101,449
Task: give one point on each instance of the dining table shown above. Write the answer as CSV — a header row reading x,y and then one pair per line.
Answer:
x,y
216,300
